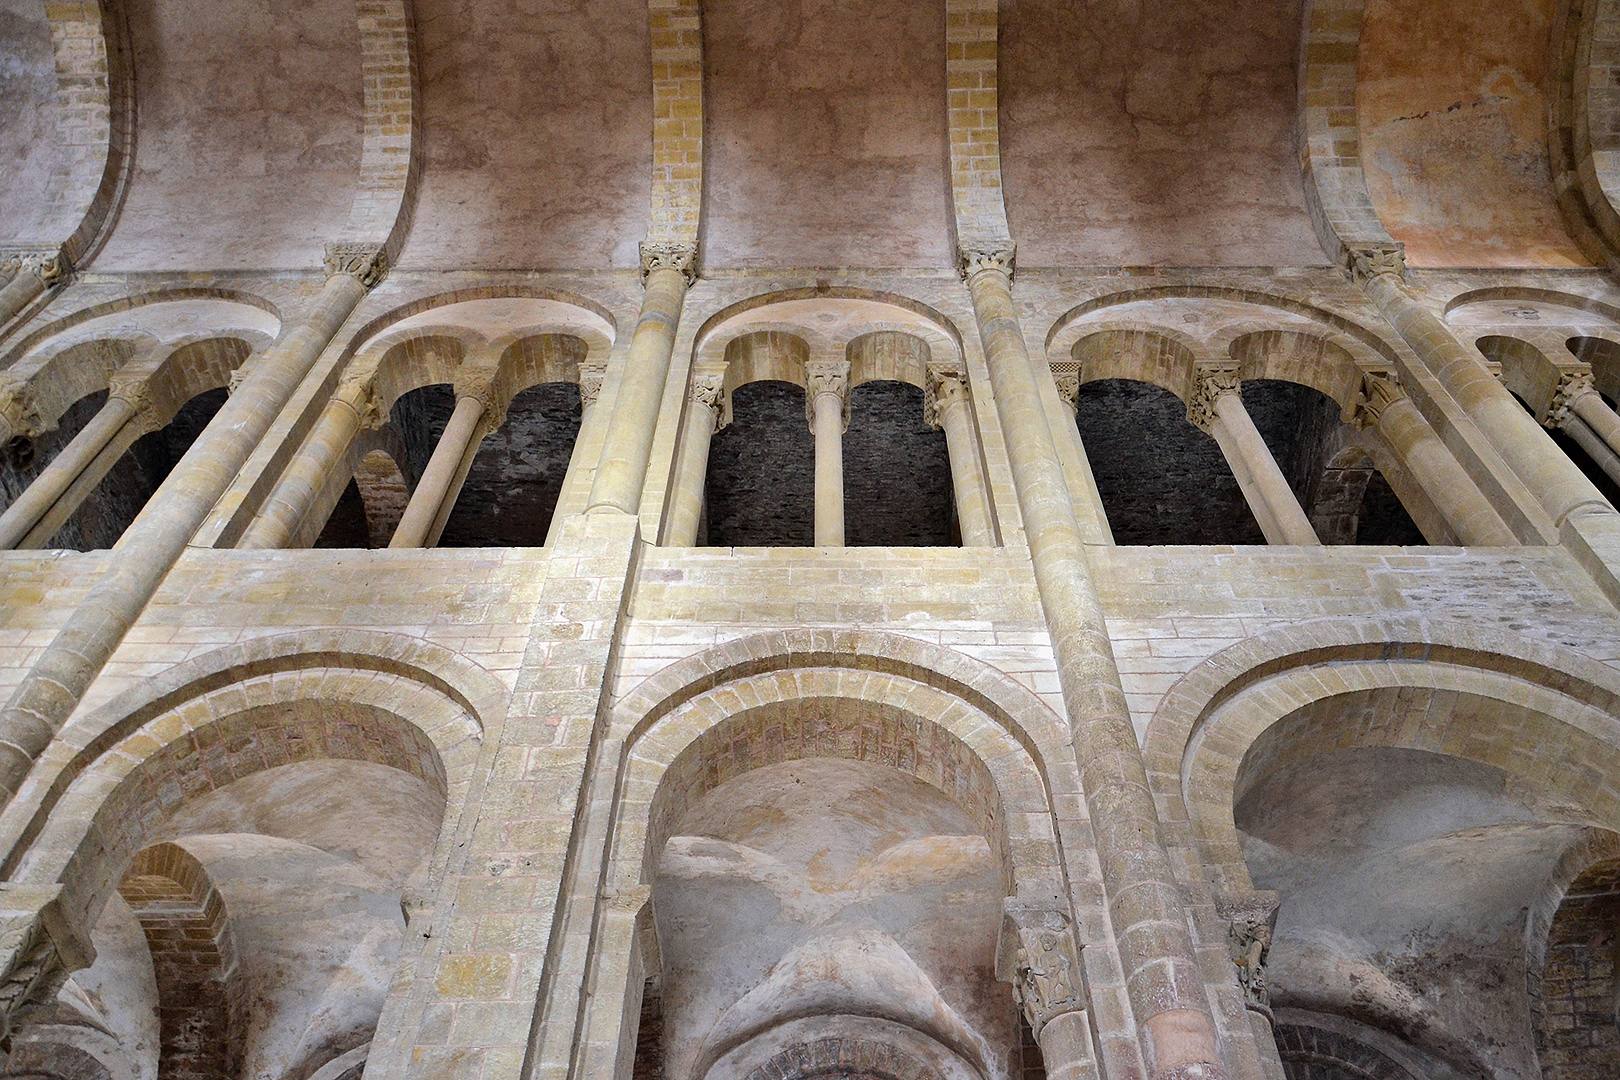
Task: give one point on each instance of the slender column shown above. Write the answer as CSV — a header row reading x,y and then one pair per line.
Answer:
x,y
31,521
571,499
705,415
1077,465
148,549
827,385
1051,992
36,271
424,516
947,409
353,406
1176,1027
1385,406
1576,400
1216,406
1594,447
667,270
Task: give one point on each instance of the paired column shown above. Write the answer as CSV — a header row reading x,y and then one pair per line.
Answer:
x,y
1216,407
1176,1027
53,687
827,400
1585,519
1385,407
440,482
1580,411
32,272
1050,991
947,409
309,474
705,414
667,270
1077,465
59,489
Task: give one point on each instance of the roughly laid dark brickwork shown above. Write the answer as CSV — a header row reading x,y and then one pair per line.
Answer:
x,y
347,527
761,485
649,1063
897,472
1578,1004
1310,1053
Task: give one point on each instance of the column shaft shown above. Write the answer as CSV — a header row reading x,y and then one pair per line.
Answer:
x,y
1456,496
1088,504
57,478
829,429
148,549
1065,1042
422,519
691,473
967,475
306,476
23,289
1176,1028
622,469
1595,447
1275,506
1591,408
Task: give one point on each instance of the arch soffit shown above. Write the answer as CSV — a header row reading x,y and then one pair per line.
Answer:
x,y
492,312
471,700
1250,311
142,312
827,320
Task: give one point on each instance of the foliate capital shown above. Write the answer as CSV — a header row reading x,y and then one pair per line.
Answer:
x,y
947,386
366,263
19,408
708,391
825,377
1365,263
1068,387
1000,257
1209,385
358,390
1572,386
47,264
678,255
591,374
1379,390
1046,972
135,390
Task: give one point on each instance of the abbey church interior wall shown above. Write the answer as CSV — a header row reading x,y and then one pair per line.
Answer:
x,y
699,540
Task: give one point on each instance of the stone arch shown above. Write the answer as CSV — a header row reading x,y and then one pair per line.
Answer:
x,y
889,356
356,695
1526,369
1142,355
1307,359
131,312
553,309
1582,132
1197,742
201,1003
851,313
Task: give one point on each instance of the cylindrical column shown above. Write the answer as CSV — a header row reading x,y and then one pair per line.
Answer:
x,y
621,471
148,549
439,478
948,408
1457,497
35,273
826,383
1176,1027
307,475
1595,447
54,481
1065,1042
1528,450
1578,396
1088,504
1217,407
705,405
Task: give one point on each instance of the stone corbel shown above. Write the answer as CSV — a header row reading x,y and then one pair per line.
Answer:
x,y
591,374
947,386
38,949
366,263
1379,390
677,255
1362,264
1250,921
826,377
1208,385
20,414
1040,957
708,391
1572,386
999,257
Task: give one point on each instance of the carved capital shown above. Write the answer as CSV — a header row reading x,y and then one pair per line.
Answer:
x,y
358,390
825,377
1210,384
1068,388
1572,386
1250,921
1379,390
591,374
1046,964
37,950
1365,263
680,256
366,263
47,264
135,390
947,386
1000,257
708,391
20,410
